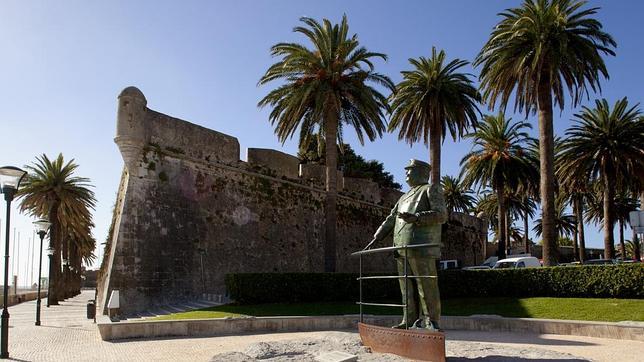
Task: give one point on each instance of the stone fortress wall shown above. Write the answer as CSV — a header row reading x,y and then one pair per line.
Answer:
x,y
189,211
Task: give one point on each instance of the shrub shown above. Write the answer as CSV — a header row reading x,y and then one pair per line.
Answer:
x,y
596,281
250,288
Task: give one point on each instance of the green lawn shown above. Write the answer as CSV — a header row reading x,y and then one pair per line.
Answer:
x,y
590,309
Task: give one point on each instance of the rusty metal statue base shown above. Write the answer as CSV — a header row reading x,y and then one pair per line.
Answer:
x,y
418,344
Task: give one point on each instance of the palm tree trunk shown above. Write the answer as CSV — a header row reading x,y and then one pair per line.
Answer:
x,y
76,265
79,271
575,243
501,212
58,287
622,246
65,252
54,241
636,248
580,227
435,153
508,239
575,233
547,177
609,196
331,131
526,240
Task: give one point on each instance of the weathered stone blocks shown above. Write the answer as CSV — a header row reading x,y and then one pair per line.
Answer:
x,y
281,163
363,189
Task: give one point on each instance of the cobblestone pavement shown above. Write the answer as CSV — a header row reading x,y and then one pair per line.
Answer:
x,y
66,335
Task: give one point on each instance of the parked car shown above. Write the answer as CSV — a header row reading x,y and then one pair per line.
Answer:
x,y
599,262
477,267
448,264
491,261
517,262
574,263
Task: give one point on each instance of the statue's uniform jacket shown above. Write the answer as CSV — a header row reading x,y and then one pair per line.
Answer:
x,y
428,204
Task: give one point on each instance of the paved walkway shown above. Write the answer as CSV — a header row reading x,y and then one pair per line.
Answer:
x,y
66,335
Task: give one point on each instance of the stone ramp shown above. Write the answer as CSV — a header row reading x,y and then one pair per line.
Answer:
x,y
172,308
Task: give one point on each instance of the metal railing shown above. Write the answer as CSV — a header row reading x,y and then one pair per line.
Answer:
x,y
405,275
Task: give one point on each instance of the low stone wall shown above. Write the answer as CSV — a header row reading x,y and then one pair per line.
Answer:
x,y
14,299
235,326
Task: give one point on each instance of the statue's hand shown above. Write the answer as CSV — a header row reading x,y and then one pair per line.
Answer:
x,y
408,217
370,244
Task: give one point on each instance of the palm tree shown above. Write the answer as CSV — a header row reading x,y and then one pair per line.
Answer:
x,y
624,204
487,207
325,87
432,98
565,223
608,146
458,197
634,248
517,206
52,191
497,160
528,190
77,247
527,208
577,191
535,53
81,250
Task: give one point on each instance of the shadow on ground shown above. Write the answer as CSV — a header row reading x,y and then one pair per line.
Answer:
x,y
520,338
510,359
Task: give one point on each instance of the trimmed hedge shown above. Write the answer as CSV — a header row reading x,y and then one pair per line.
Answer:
x,y
592,281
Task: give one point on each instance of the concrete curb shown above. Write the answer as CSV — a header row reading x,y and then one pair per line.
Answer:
x,y
232,326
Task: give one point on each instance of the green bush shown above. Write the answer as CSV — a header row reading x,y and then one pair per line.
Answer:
x,y
249,288
596,281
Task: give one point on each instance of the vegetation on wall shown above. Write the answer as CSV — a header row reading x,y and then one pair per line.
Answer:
x,y
351,164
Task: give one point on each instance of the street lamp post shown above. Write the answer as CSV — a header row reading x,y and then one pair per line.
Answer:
x,y
42,226
50,253
10,178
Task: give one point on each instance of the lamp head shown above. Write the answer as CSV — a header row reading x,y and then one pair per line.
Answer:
x,y
10,178
42,226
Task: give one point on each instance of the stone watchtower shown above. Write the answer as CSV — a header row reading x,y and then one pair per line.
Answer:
x,y
131,130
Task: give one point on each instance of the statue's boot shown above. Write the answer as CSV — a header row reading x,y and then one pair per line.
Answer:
x,y
432,325
418,324
405,324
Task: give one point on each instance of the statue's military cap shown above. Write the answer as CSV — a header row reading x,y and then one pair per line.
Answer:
x,y
414,163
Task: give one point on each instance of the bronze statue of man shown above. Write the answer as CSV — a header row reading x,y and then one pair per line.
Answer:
x,y
416,219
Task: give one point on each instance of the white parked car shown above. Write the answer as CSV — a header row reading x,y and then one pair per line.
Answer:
x,y
448,264
477,267
491,261
517,262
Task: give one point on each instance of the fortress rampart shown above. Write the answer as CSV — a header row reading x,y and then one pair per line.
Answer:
x,y
189,211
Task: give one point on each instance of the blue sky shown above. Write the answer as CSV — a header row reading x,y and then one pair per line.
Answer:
x,y
64,63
